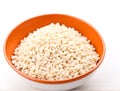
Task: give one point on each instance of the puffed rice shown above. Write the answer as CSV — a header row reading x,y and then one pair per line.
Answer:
x,y
55,52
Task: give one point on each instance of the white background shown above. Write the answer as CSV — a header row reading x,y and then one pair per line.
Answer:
x,y
104,15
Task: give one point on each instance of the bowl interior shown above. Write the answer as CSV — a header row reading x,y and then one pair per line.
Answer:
x,y
32,24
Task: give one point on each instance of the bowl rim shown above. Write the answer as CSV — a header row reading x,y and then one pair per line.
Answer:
x,y
55,81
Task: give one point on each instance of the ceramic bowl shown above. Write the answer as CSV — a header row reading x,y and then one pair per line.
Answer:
x,y
23,29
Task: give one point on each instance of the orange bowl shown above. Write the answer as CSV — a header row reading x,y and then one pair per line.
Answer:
x,y
23,29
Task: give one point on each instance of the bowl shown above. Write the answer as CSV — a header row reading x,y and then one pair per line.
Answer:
x,y
23,29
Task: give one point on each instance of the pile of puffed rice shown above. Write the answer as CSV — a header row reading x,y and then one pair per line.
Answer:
x,y
55,52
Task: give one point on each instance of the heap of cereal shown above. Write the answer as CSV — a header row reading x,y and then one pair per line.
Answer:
x,y
55,52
